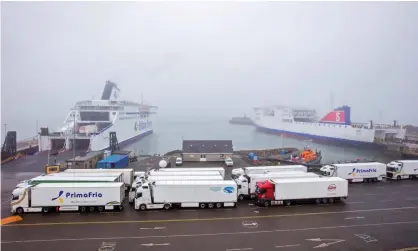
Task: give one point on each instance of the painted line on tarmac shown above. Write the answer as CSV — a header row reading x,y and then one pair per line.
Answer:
x,y
209,219
405,249
214,234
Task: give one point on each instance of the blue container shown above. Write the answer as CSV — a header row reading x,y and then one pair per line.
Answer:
x,y
251,155
114,161
255,158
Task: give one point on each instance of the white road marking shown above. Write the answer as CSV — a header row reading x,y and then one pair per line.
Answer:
x,y
385,200
352,218
366,238
250,224
155,244
288,246
238,249
412,199
325,244
214,234
355,202
107,246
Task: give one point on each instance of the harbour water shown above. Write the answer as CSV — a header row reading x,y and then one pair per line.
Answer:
x,y
168,135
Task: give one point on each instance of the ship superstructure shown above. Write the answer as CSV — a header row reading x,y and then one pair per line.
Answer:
x,y
89,123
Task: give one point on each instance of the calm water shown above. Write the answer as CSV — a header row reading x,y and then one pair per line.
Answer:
x,y
168,136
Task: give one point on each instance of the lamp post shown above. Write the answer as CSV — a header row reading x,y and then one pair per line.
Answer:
x,y
5,130
74,115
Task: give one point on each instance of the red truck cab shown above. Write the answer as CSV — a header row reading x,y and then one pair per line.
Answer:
x,y
264,193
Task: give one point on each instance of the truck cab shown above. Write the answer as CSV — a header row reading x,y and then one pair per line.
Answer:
x,y
243,186
143,196
402,169
328,170
264,193
19,199
135,185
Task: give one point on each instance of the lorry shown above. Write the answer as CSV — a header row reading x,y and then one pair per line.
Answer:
x,y
128,173
265,169
139,174
247,183
402,169
119,176
191,173
185,194
356,172
290,191
139,182
197,169
49,197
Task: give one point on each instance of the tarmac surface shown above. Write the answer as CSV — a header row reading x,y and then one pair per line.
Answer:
x,y
376,216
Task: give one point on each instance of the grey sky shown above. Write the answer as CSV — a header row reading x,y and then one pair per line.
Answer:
x,y
208,59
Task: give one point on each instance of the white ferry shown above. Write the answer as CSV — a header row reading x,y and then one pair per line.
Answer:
x,y
91,121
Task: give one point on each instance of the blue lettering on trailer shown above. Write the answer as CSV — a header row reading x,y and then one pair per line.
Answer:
x,y
358,170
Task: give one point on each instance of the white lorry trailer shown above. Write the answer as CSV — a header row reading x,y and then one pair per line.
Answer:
x,y
247,183
118,176
356,172
290,191
139,182
402,169
186,193
48,197
191,173
202,169
128,173
139,175
66,179
266,169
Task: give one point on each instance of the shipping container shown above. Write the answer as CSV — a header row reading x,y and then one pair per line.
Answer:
x,y
128,173
194,169
114,162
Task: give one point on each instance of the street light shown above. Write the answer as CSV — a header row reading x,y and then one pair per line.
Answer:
x,y
74,141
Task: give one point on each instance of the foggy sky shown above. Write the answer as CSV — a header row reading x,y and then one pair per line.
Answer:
x,y
196,59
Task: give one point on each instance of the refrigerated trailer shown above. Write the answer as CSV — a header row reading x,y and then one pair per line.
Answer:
x,y
247,183
181,194
289,191
402,169
66,179
128,174
194,169
266,169
119,176
356,172
58,197
191,173
139,182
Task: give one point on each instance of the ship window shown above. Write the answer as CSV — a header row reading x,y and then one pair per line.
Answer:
x,y
94,116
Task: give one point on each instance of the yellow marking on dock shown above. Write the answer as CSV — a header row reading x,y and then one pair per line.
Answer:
x,y
10,219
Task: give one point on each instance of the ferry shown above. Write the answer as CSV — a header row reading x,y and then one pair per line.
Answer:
x,y
335,127
89,122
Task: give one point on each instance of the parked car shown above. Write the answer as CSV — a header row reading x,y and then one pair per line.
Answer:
x,y
229,162
179,161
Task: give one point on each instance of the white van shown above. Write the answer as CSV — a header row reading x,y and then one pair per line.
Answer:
x,y
179,161
229,162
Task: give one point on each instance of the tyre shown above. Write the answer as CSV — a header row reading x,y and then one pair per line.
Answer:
x,y
318,201
218,205
287,203
83,209
143,207
100,209
266,203
331,200
210,205
325,200
398,178
241,197
45,210
166,206
20,210
91,209
202,205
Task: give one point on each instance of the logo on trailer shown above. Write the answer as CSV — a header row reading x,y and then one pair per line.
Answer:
x,y
229,189
76,195
332,188
61,200
215,189
360,171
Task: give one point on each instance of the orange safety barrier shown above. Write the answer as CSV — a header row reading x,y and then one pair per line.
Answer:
x,y
11,219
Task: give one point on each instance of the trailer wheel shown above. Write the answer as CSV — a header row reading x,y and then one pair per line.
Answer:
x,y
91,209
318,201
266,203
399,177
325,200
20,210
45,210
142,207
331,200
287,203
202,205
100,209
121,208
166,206
218,205
83,209
210,205
241,197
